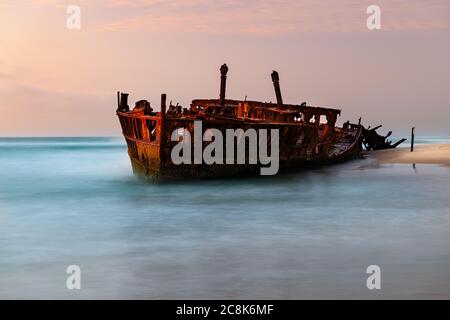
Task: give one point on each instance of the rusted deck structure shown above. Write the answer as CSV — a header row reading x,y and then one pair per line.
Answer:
x,y
308,135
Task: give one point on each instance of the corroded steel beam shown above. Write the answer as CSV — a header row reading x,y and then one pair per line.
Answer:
x,y
276,84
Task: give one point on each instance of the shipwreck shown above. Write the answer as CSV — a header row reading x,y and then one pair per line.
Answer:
x,y
306,135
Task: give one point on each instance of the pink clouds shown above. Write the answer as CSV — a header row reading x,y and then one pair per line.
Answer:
x,y
267,17
258,17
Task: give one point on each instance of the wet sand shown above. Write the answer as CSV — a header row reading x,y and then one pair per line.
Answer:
x,y
430,153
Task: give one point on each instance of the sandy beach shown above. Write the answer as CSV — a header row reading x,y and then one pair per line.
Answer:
x,y
430,153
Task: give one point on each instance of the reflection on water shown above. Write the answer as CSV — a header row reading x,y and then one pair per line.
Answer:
x,y
305,235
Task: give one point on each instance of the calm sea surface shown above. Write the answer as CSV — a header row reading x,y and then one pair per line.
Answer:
x,y
74,201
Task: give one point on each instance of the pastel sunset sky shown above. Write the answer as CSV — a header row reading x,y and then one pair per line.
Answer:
x,y
60,82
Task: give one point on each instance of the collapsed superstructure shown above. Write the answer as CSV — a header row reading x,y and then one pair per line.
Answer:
x,y
308,135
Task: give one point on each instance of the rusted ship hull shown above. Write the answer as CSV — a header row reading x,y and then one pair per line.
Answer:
x,y
155,170
308,136
301,146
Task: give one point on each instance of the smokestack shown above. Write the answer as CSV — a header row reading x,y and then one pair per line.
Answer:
x,y
276,85
223,82
123,102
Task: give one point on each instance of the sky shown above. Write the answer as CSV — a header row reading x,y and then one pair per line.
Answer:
x,y
60,82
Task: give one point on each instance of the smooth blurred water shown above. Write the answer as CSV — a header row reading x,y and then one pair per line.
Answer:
x,y
306,235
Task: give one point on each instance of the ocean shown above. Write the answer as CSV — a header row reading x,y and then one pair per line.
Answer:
x,y
305,235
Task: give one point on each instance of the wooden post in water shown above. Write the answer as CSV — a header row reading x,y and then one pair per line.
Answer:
x,y
413,132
